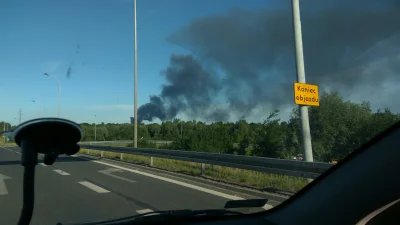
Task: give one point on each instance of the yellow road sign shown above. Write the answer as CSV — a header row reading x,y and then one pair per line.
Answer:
x,y
306,94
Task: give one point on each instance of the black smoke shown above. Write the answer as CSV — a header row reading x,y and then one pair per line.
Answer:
x,y
347,44
155,108
189,87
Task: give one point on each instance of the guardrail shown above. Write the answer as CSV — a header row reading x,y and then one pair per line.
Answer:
x,y
124,142
106,142
261,164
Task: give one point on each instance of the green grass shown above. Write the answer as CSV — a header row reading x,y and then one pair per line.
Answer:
x,y
239,176
7,144
256,179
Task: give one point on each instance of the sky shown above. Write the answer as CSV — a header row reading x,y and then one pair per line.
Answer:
x,y
95,39
199,59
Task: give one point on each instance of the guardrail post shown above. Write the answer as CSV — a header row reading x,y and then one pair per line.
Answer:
x,y
151,161
88,151
121,157
203,169
101,154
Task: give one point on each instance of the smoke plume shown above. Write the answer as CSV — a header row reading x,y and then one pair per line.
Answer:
x,y
348,45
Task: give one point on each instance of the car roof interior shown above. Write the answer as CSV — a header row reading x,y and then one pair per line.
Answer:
x,y
365,182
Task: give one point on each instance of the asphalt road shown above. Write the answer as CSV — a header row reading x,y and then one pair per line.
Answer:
x,y
77,189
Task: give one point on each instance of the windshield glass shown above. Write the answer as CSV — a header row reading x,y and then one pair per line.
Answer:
x,y
226,77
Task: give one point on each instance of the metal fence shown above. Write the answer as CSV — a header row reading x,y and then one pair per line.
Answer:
x,y
261,164
124,142
106,142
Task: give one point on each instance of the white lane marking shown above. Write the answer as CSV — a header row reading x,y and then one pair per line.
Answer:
x,y
217,193
42,164
267,206
112,170
61,172
11,150
94,187
3,186
143,211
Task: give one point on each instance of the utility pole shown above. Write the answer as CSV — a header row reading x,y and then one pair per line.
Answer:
x,y
20,115
301,78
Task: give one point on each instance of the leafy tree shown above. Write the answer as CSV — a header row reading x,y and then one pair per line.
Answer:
x,y
154,130
271,138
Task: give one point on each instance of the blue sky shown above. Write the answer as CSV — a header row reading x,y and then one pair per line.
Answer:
x,y
95,38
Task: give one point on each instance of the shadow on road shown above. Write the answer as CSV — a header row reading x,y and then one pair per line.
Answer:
x,y
59,159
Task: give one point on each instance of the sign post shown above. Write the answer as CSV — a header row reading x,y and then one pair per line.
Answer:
x,y
306,94
301,78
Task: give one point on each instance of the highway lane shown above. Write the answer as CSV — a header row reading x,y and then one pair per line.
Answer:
x,y
57,197
77,190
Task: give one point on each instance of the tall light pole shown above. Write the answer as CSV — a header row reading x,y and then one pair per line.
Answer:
x,y
301,78
135,78
58,83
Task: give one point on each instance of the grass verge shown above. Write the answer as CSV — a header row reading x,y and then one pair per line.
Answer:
x,y
7,144
254,179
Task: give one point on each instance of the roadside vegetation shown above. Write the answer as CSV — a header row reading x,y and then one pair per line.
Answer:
x,y
258,180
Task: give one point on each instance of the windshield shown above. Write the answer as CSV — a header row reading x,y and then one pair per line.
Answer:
x,y
244,79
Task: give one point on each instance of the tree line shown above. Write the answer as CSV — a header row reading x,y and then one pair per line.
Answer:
x,y
338,127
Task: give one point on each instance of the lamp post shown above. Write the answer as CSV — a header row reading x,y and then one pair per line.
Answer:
x,y
135,79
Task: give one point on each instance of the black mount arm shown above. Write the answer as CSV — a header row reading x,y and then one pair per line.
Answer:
x,y
50,136
28,160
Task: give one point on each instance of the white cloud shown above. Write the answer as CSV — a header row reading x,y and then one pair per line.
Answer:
x,y
155,120
121,107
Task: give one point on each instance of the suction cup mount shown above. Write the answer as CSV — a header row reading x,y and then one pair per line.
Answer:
x,y
49,136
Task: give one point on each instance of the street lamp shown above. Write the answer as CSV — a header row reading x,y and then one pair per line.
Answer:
x,y
58,82
135,112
